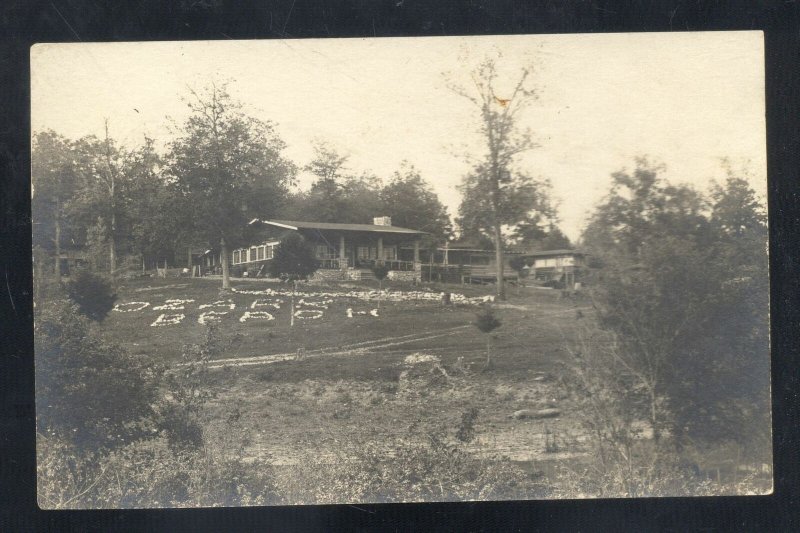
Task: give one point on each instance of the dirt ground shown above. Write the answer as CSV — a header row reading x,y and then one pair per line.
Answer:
x,y
303,392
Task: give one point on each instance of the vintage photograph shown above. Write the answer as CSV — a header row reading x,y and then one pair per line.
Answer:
x,y
321,271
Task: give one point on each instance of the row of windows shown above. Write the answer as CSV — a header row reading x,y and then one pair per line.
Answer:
x,y
371,252
267,251
557,261
324,251
255,253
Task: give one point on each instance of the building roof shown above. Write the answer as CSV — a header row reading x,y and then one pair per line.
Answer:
x,y
296,225
544,253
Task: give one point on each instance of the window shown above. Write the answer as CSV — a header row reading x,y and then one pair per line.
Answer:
x,y
236,257
390,253
260,253
252,254
323,251
367,252
270,251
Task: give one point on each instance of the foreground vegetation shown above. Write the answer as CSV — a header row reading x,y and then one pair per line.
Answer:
x,y
403,416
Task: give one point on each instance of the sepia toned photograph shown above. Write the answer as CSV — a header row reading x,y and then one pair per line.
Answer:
x,y
419,269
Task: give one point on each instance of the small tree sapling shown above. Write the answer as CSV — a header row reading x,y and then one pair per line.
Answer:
x,y
380,271
294,260
487,322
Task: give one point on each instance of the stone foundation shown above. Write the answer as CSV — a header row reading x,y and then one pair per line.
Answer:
x,y
329,275
403,275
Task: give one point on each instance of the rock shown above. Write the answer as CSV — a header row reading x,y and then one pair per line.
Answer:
x,y
538,413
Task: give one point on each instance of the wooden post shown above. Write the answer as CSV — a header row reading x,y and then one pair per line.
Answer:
x,y
380,249
342,257
226,280
416,251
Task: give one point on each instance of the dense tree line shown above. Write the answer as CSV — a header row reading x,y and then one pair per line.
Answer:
x,y
223,169
683,293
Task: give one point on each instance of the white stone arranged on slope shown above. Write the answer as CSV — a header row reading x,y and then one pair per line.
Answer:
x,y
211,316
275,303
248,315
173,305
417,358
309,314
220,303
351,313
168,320
319,304
130,307
386,295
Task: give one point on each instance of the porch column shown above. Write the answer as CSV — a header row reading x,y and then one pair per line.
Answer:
x,y
380,249
342,258
416,251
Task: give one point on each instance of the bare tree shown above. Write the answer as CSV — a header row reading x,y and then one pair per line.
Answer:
x,y
499,115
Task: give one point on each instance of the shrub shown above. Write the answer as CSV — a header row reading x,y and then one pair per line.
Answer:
x,y
486,322
94,294
86,387
419,467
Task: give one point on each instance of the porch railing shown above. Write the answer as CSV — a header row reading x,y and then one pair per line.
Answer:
x,y
333,264
391,264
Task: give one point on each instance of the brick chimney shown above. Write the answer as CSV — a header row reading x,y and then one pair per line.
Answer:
x,y
382,221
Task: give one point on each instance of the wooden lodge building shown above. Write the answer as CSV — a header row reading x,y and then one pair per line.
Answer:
x,y
561,267
349,251
345,251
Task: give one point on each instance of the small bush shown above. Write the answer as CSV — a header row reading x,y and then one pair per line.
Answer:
x,y
86,387
93,294
380,272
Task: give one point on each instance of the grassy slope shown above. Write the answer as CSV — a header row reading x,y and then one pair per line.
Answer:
x,y
311,407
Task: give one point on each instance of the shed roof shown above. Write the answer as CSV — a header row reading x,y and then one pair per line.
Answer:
x,y
296,224
544,253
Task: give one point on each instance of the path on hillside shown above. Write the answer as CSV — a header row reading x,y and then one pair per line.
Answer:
x,y
357,348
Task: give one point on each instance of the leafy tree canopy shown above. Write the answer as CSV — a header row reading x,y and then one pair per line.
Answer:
x,y
294,259
685,289
411,203
227,166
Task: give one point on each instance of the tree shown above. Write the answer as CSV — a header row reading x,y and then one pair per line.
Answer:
x,y
380,272
520,266
486,322
685,296
294,260
324,201
89,391
228,169
337,195
100,200
411,203
158,220
552,239
494,189
93,294
53,184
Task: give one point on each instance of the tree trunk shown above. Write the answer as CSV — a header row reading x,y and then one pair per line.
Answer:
x,y
112,230
498,256
226,275
291,307
112,252
57,269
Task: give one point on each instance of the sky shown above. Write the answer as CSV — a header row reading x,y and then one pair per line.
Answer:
x,y
685,100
